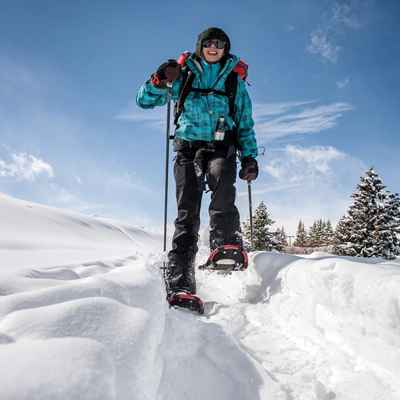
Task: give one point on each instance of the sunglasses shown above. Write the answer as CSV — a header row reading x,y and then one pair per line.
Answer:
x,y
219,44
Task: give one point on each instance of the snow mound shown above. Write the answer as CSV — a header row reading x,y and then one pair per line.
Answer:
x,y
32,376
120,312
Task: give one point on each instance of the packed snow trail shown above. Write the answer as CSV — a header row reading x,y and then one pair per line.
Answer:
x,y
317,327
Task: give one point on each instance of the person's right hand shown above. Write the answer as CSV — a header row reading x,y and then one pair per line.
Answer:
x,y
249,170
167,72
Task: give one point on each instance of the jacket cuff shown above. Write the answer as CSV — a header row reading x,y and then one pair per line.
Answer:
x,y
244,154
153,89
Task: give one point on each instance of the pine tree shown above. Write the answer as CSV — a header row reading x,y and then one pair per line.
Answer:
x,y
321,232
263,240
341,237
281,236
328,234
301,236
312,236
372,223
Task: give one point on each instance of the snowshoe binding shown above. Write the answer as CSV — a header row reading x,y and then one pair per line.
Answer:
x,y
227,258
182,299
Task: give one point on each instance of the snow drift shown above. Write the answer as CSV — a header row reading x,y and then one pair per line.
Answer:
x,y
83,316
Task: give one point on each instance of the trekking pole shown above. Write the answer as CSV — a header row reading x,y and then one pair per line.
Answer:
x,y
251,215
169,86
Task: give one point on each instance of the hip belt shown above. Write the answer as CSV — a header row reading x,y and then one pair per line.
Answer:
x,y
211,145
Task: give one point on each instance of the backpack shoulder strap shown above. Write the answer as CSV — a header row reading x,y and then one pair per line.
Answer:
x,y
231,89
186,87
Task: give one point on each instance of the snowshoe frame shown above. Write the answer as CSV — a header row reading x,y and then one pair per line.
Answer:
x,y
192,303
227,252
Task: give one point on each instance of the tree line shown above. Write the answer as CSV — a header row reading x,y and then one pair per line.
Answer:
x,y
370,227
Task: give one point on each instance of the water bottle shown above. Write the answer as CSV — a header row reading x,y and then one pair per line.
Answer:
x,y
220,132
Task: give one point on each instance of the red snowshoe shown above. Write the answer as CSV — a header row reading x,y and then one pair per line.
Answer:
x,y
227,258
183,300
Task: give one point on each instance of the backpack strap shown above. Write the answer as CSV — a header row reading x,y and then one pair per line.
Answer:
x,y
186,88
231,89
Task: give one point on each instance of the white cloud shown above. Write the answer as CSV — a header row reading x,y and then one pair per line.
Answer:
x,y
64,197
296,164
323,39
341,84
343,15
25,167
317,158
324,46
260,110
308,121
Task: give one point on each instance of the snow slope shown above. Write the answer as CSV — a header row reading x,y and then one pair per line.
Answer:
x,y
35,235
83,316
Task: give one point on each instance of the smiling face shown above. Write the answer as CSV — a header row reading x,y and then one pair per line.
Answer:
x,y
212,55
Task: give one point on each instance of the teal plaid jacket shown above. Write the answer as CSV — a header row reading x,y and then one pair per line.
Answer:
x,y
199,119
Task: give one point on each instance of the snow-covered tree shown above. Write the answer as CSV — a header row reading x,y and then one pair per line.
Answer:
x,y
372,223
281,236
340,237
328,234
301,236
317,234
313,235
321,232
263,239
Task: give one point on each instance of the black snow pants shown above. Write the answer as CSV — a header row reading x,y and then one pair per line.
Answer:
x,y
220,173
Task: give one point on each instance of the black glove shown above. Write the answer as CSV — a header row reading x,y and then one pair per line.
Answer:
x,y
249,170
167,72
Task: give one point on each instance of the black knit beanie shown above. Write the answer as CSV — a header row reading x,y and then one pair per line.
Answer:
x,y
212,33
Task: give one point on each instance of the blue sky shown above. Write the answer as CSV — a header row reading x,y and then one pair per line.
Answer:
x,y
324,81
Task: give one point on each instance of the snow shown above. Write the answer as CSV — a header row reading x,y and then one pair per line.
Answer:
x,y
83,316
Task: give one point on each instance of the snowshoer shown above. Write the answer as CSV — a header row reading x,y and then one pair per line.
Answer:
x,y
207,137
